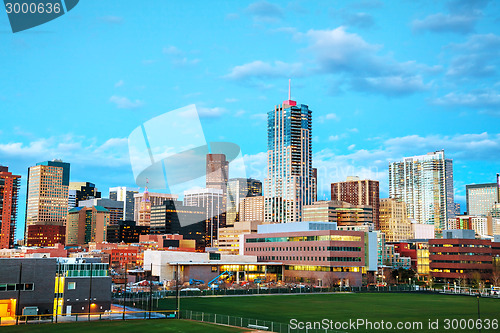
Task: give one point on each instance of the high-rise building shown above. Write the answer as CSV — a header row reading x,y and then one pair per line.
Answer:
x,y
359,192
9,193
425,184
125,194
47,198
315,184
238,189
155,199
79,191
252,209
211,200
87,224
394,220
217,171
481,198
115,208
289,184
172,217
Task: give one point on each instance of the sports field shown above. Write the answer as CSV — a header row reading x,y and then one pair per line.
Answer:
x,y
129,326
373,307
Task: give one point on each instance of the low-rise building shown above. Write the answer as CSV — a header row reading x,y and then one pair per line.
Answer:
x,y
314,252
460,256
53,285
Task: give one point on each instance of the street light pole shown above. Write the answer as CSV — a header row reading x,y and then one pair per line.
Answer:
x,y
177,293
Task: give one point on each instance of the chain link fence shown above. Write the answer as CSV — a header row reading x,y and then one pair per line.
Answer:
x,y
247,323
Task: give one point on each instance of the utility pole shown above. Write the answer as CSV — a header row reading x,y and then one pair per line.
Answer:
x,y
19,293
90,290
178,298
150,290
58,281
124,291
478,312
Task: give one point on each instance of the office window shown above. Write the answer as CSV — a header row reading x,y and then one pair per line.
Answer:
x,y
71,285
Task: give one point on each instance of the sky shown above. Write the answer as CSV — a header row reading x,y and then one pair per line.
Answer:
x,y
384,80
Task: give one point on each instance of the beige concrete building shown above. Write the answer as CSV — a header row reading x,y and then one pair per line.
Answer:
x,y
252,209
229,237
394,220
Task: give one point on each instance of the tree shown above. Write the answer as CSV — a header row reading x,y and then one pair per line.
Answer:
x,y
331,281
495,275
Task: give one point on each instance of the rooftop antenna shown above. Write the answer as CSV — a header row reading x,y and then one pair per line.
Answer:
x,y
289,84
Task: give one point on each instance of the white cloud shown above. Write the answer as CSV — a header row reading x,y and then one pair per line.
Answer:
x,y
214,112
261,69
125,103
489,99
119,83
333,138
265,11
239,113
446,23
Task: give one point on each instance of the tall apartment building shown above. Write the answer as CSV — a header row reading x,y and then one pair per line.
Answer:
x,y
290,183
238,189
359,192
155,199
425,184
126,195
87,224
9,194
211,200
252,209
79,191
394,220
46,199
481,198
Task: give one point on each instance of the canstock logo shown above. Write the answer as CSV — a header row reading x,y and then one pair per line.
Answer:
x,y
26,14
169,152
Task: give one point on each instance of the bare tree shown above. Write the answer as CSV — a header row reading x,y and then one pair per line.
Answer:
x,y
495,275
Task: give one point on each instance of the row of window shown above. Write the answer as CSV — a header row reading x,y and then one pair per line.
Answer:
x,y
461,262
299,258
305,239
17,286
308,248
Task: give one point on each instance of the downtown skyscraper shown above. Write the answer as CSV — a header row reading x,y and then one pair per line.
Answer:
x,y
290,183
47,203
425,184
9,193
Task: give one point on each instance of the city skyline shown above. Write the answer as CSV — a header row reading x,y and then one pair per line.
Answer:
x,y
379,97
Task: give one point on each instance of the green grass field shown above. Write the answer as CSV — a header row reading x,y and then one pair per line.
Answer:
x,y
342,307
129,326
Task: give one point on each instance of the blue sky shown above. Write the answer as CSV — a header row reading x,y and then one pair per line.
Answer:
x,y
385,79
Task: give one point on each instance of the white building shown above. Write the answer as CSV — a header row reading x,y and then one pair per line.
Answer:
x,y
425,184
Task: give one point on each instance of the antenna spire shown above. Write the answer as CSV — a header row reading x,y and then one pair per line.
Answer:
x,y
289,85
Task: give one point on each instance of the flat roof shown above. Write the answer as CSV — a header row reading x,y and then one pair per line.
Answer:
x,y
224,263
